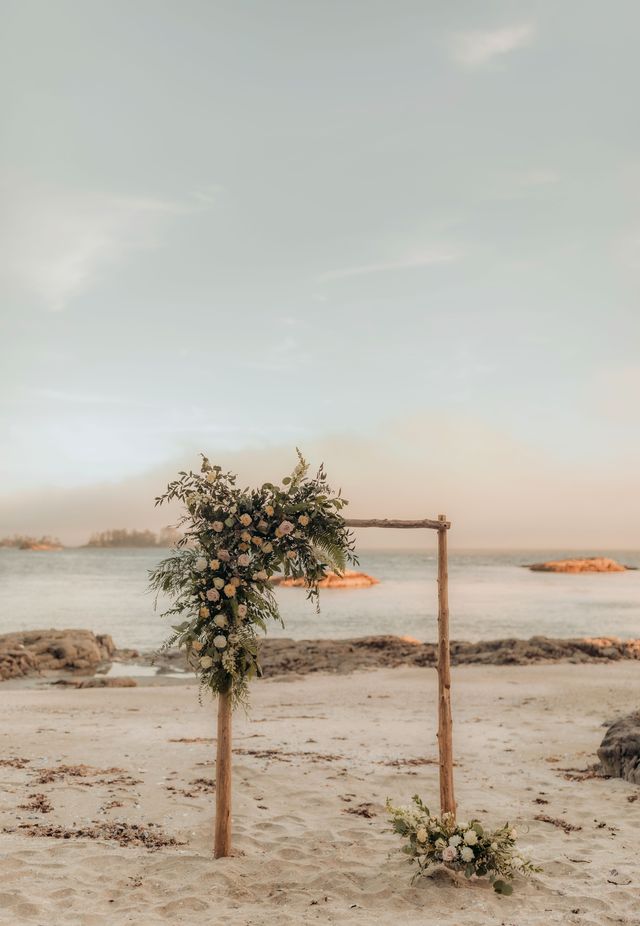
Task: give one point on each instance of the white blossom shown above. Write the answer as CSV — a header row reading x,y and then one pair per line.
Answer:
x,y
466,854
471,837
449,853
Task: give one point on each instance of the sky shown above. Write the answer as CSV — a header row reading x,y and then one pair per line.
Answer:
x,y
404,237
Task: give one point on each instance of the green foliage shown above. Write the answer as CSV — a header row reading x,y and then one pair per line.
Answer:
x,y
233,541
468,848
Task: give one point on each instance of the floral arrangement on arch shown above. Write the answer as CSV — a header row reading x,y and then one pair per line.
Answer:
x,y
469,848
234,541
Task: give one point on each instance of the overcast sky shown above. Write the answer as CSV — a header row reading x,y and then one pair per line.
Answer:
x,y
402,235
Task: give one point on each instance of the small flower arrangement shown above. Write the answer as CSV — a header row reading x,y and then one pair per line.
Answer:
x,y
469,848
234,540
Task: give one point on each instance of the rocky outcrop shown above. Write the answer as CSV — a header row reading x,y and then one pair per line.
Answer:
x,y
588,564
348,579
619,752
34,651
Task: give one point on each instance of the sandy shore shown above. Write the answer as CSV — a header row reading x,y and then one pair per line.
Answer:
x,y
313,765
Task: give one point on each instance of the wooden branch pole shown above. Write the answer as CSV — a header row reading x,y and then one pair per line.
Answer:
x,y
222,846
445,724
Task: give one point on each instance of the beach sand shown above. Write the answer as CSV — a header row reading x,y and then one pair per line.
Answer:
x,y
314,762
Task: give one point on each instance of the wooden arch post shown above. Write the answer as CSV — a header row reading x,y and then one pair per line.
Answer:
x,y
222,846
445,723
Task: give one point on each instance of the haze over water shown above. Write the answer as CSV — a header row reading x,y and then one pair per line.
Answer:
x,y
491,596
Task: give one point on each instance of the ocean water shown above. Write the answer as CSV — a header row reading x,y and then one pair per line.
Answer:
x,y
490,594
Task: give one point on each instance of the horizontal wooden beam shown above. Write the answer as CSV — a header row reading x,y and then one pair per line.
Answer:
x,y
402,525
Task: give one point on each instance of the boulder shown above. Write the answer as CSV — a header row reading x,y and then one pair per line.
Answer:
x,y
31,652
619,751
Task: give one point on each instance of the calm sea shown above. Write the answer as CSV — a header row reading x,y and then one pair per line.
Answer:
x,y
490,596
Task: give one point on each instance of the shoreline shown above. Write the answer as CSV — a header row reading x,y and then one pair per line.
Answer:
x,y
50,656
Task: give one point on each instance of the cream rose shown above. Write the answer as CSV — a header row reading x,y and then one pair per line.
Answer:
x,y
285,527
220,620
303,519
218,582
421,834
197,646
218,526
246,519
214,564
200,564
244,559
260,576
206,662
213,594
224,555
466,854
204,612
219,642
471,837
229,590
268,547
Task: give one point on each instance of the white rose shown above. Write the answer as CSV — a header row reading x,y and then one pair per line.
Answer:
x,y
449,853
203,612
246,519
229,590
471,837
200,564
303,519
421,834
206,662
466,854
219,583
220,620
218,526
455,840
213,594
242,611
244,559
219,642
214,564
235,581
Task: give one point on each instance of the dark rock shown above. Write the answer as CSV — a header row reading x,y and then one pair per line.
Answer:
x,y
619,751
34,651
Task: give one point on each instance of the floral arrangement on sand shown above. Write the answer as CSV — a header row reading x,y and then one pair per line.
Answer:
x,y
234,540
467,847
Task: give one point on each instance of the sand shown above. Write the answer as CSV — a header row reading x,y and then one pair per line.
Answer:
x,y
315,761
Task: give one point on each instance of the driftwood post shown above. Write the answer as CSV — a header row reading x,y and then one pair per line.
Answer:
x,y
445,725
222,847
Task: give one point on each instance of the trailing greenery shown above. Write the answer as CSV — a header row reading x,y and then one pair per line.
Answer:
x,y
433,840
233,541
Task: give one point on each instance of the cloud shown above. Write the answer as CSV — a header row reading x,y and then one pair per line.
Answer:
x,y
477,48
56,244
410,261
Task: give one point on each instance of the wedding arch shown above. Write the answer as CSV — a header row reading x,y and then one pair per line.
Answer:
x,y
219,580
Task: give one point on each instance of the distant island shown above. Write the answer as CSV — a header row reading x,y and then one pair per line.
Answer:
x,y
121,537
584,564
348,579
24,542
